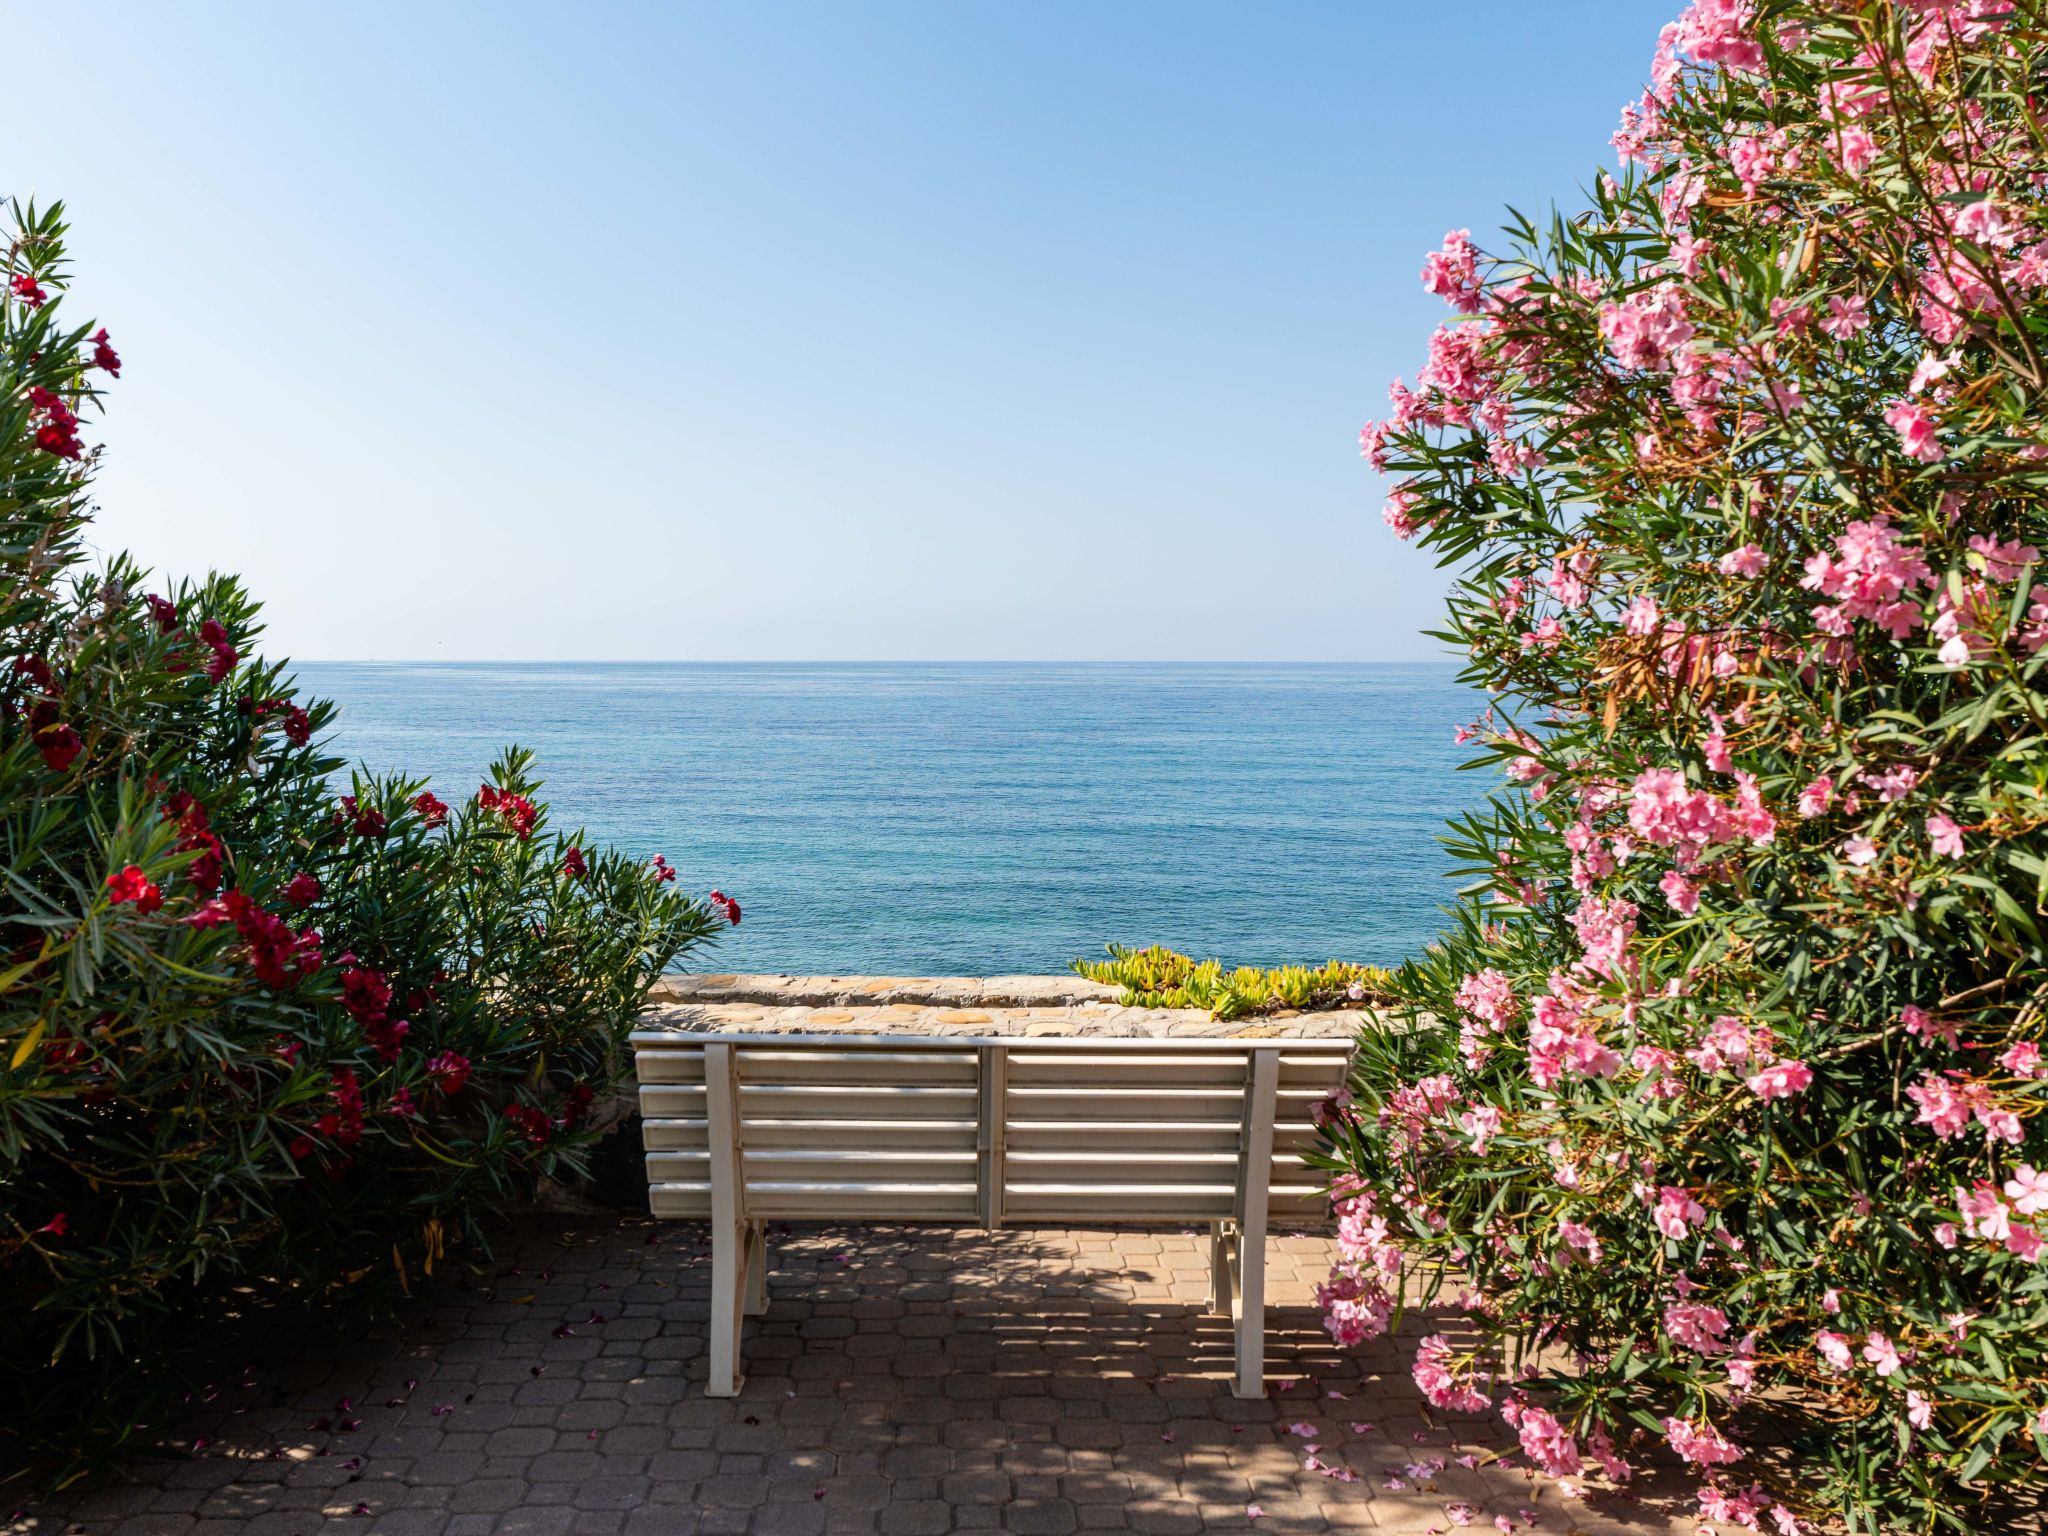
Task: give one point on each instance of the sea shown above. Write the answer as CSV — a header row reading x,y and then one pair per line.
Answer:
x,y
973,818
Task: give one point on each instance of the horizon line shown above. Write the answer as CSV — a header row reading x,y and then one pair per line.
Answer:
x,y
861,661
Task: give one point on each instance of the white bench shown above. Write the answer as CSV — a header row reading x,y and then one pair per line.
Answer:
x,y
741,1129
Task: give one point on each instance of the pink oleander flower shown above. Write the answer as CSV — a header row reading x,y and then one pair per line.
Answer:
x,y
1916,429
1870,575
1645,329
1702,1444
1855,151
1440,1384
1728,1043
1847,315
1984,1214
1944,835
1683,895
1604,928
1949,1103
1697,1327
1922,1025
1748,560
1677,1212
1481,1124
1881,1353
1930,370
1781,1080
2023,1060
1398,515
2028,1190
1581,1239
1548,1445
1452,274
1732,1507
1834,1351
2003,562
1988,223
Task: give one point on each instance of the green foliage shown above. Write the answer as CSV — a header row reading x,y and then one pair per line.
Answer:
x,y
255,1041
1162,978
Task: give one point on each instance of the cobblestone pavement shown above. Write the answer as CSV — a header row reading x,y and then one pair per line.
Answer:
x,y
908,1382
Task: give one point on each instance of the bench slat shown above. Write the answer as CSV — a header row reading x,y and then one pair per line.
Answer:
x,y
1085,1103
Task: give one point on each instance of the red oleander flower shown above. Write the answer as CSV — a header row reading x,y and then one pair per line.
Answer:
x,y
224,656
59,432
535,1126
58,1225
302,890
130,884
576,1102
366,995
37,671
728,906
210,915
59,744
519,813
205,872
659,868
103,353
163,611
28,290
344,1123
367,821
281,956
431,809
573,865
298,726
450,1070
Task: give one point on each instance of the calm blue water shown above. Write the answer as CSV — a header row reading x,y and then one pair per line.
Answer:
x,y
974,818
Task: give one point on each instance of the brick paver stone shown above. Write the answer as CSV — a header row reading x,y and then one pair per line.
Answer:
x,y
905,1382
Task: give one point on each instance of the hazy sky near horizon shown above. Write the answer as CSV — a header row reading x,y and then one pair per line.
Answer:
x,y
771,330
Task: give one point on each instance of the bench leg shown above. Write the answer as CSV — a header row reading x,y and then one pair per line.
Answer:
x,y
728,1273
1219,1267
1251,1313
757,1270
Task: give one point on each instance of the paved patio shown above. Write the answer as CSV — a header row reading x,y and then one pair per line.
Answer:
x,y
909,1382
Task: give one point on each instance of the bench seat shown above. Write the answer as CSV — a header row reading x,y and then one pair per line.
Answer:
x,y
741,1128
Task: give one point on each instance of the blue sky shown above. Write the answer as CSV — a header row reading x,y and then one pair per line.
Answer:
x,y
788,331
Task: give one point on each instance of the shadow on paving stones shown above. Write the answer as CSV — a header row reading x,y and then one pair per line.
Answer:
x,y
909,1381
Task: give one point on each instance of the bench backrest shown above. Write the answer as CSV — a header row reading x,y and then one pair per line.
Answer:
x,y
987,1131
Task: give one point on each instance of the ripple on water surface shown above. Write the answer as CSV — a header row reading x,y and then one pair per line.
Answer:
x,y
975,818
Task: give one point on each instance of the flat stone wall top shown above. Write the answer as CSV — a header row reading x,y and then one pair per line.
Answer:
x,y
1025,1006
875,991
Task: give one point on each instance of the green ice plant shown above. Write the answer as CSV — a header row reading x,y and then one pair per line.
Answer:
x,y
1163,978
1722,1096
257,1038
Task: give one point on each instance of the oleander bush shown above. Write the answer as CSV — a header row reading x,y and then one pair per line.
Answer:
x,y
1735,1105
1163,978
256,1038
